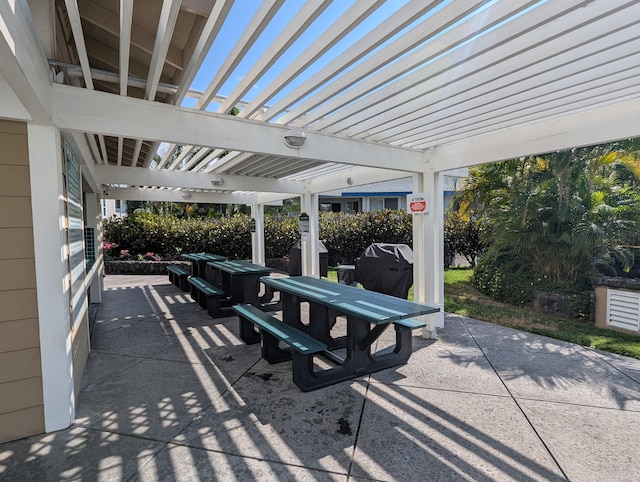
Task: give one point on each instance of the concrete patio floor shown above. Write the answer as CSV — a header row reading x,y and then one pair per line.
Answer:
x,y
170,394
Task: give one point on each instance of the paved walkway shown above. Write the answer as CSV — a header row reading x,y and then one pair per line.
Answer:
x,y
169,394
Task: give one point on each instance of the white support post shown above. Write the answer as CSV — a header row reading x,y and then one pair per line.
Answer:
x,y
428,249
305,238
433,232
420,258
94,220
257,237
45,158
314,236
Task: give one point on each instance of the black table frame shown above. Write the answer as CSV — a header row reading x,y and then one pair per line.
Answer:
x,y
199,262
368,315
240,280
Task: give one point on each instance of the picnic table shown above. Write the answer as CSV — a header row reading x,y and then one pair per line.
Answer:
x,y
368,315
199,262
240,280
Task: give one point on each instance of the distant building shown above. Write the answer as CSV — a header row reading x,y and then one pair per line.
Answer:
x,y
113,208
378,196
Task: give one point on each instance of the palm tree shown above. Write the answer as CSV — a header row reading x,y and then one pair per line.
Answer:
x,y
563,213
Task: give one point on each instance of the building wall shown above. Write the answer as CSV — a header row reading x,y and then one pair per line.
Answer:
x,y
113,208
21,399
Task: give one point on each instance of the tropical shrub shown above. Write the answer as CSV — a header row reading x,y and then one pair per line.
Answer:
x,y
464,236
556,217
503,277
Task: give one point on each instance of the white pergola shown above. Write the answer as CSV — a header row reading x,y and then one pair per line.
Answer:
x,y
380,89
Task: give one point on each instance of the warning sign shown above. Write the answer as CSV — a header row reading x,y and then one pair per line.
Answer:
x,y
417,203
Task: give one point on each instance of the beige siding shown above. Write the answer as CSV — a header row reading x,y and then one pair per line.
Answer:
x,y
21,405
601,306
80,353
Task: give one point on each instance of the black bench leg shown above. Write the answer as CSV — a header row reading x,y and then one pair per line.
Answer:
x,y
183,283
193,291
404,343
307,379
271,350
201,298
303,375
248,333
215,310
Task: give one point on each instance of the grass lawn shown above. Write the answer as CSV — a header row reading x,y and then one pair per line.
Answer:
x,y
460,297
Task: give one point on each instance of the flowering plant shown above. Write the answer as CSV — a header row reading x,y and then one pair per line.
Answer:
x,y
149,257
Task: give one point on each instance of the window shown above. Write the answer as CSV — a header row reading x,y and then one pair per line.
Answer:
x,y
352,206
376,204
391,203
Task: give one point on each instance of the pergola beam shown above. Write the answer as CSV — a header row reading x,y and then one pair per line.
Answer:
x,y
166,195
114,115
584,128
23,64
356,176
136,176
166,24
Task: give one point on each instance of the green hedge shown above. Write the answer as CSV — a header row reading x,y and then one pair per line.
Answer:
x,y
345,235
500,276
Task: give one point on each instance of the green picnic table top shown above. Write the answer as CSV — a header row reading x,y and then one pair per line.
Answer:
x,y
203,257
371,306
240,267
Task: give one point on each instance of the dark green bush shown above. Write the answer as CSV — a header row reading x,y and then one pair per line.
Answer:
x,y
463,236
499,276
344,235
347,235
280,233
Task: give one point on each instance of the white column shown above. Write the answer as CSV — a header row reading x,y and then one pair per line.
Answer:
x,y
314,236
433,232
94,220
257,238
420,258
45,157
305,238
428,249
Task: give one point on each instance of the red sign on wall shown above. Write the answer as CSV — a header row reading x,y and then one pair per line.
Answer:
x,y
417,203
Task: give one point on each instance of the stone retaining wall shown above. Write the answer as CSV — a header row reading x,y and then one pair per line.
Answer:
x,y
142,267
558,303
160,267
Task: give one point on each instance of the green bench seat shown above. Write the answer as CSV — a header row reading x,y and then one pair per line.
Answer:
x,y
301,347
178,277
209,297
411,324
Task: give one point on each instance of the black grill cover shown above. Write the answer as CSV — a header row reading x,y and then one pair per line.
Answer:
x,y
386,268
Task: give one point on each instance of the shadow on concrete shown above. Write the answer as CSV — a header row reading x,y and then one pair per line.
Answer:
x,y
170,394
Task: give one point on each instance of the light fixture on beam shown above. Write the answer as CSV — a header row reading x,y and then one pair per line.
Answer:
x,y
294,138
186,195
217,181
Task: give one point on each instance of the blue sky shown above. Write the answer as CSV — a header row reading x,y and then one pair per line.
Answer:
x,y
243,11
240,16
